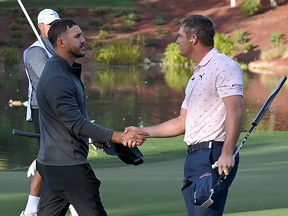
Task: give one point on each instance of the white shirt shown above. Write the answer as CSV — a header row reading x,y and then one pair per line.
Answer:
x,y
215,77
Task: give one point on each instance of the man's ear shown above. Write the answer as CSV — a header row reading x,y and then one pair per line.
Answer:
x,y
193,39
60,42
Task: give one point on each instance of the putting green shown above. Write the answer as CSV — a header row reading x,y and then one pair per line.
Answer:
x,y
153,188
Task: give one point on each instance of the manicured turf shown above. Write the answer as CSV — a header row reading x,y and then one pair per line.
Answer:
x,y
153,188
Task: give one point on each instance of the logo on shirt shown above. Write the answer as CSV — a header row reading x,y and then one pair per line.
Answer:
x,y
201,76
237,86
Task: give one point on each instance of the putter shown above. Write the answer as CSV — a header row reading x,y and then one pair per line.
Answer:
x,y
34,135
257,119
125,154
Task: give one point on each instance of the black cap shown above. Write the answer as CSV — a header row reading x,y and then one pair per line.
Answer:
x,y
126,154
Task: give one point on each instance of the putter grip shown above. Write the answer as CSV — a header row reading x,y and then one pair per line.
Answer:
x,y
25,134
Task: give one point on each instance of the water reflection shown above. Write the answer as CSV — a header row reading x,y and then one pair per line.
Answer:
x,y
122,96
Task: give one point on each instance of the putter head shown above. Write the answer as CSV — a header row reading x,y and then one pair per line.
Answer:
x,y
208,202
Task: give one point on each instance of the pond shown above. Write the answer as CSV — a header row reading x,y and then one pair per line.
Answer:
x,y
121,96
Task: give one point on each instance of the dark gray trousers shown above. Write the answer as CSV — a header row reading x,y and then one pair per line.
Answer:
x,y
65,185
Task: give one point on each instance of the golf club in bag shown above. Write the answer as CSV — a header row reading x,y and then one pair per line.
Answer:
x,y
207,188
125,154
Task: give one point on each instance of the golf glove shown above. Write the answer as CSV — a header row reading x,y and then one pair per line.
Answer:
x,y
32,169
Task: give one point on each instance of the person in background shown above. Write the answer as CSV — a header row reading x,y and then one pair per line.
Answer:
x,y
35,58
211,114
66,128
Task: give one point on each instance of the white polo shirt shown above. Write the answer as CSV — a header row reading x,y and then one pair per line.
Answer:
x,y
215,77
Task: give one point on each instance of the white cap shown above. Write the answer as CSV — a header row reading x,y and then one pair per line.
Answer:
x,y
47,16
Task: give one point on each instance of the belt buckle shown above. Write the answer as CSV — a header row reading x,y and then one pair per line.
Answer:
x,y
192,148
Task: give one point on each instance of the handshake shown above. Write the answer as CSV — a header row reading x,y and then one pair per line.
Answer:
x,y
131,137
124,145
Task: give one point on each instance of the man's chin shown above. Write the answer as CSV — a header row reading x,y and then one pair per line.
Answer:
x,y
80,55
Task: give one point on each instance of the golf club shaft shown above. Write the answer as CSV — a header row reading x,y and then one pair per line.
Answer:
x,y
259,115
34,135
30,21
257,119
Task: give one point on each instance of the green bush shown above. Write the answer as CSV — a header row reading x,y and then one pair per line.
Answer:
x,y
149,41
15,26
10,56
100,11
241,36
158,21
127,25
273,53
107,27
276,39
95,22
122,52
177,21
248,46
224,43
131,16
103,34
17,34
172,57
250,7
118,12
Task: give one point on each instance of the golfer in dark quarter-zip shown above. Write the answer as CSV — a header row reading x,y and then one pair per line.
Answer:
x,y
66,127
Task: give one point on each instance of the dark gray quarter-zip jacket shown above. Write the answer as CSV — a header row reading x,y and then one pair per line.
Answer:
x,y
64,122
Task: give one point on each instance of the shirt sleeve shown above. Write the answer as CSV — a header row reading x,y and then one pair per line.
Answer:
x,y
36,58
230,79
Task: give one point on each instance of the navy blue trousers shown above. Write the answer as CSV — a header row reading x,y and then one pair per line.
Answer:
x,y
195,165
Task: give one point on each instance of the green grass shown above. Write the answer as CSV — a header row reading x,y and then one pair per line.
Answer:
x,y
153,188
274,212
74,3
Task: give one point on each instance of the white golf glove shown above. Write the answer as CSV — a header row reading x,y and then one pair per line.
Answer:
x,y
90,141
32,169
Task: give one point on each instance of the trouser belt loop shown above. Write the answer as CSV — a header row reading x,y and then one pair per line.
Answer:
x,y
210,144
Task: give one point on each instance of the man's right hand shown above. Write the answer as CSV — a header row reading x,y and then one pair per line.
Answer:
x,y
134,136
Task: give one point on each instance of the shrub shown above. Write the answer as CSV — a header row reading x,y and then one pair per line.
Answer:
x,y
172,57
127,25
15,26
103,34
10,56
158,21
177,69
122,52
248,46
118,12
95,22
273,53
149,41
131,16
241,36
276,39
177,21
100,11
224,44
250,7
107,27
17,34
